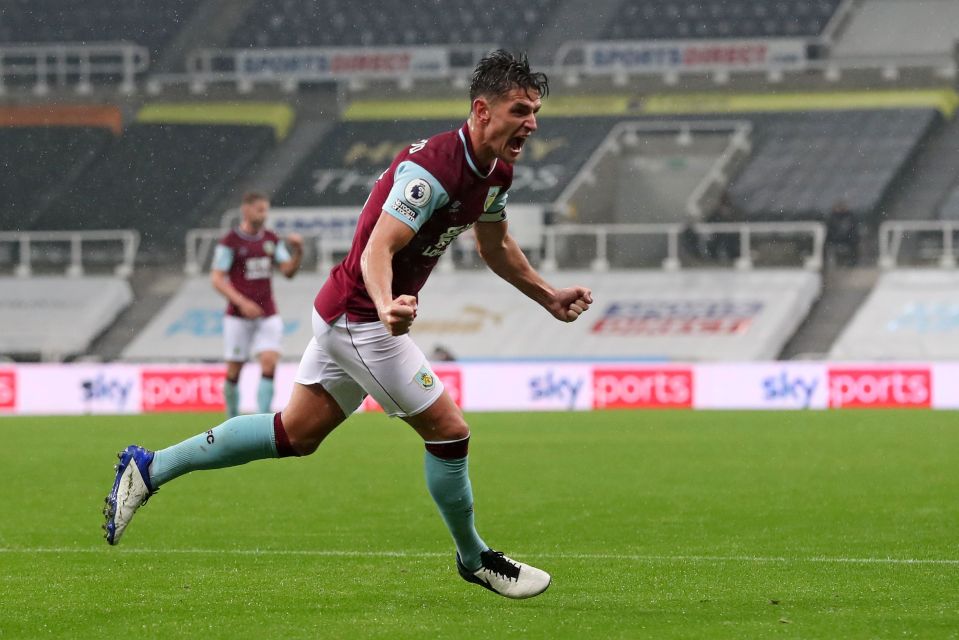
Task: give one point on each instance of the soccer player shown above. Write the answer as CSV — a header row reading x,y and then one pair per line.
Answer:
x,y
243,272
433,191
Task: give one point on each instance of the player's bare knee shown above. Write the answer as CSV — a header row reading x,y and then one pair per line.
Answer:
x,y
449,427
304,434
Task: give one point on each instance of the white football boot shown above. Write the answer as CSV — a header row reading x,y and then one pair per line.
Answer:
x,y
506,577
131,490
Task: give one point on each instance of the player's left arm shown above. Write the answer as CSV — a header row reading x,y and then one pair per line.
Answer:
x,y
500,251
289,261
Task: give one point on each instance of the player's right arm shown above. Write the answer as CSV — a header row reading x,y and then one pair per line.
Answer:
x,y
219,276
388,237
415,195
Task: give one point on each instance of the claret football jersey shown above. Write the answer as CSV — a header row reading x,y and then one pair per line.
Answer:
x,y
437,188
248,260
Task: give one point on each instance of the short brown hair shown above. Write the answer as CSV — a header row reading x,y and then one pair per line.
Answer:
x,y
497,73
254,196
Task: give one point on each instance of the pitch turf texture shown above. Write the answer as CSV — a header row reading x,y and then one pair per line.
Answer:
x,y
653,524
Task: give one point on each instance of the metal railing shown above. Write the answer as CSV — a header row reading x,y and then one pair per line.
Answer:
x,y
26,241
201,242
72,64
831,69
672,232
214,66
893,232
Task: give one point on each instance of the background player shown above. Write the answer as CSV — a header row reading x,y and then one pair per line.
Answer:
x,y
243,273
433,191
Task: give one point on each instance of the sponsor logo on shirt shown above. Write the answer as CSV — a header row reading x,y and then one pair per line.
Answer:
x,y
400,206
417,192
491,197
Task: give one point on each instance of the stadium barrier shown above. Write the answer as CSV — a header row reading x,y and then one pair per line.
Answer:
x,y
56,317
72,64
703,315
77,389
893,233
71,247
777,59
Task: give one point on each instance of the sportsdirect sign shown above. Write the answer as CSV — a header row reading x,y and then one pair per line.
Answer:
x,y
339,63
684,55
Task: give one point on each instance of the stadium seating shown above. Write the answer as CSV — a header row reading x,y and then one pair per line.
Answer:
x,y
344,164
150,23
159,179
804,163
35,160
682,19
949,210
369,23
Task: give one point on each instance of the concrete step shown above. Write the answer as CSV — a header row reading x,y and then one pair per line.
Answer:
x,y
844,291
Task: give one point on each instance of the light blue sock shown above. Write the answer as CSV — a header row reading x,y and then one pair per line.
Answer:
x,y
449,483
231,398
264,394
237,441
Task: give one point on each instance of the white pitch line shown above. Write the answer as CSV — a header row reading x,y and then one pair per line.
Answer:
x,y
334,553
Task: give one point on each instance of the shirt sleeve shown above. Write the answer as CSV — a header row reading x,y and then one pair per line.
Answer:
x,y
222,258
282,253
496,211
415,195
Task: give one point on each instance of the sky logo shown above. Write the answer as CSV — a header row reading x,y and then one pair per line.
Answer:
x,y
103,389
553,386
792,390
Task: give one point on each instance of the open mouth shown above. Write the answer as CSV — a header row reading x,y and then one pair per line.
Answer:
x,y
516,143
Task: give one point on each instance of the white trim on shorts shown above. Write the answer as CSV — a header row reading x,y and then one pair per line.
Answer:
x,y
351,360
245,336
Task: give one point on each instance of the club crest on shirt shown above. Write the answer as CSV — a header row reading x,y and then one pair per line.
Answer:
x,y
269,248
491,197
417,192
424,377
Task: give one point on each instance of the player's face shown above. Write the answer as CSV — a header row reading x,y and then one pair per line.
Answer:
x,y
254,213
512,121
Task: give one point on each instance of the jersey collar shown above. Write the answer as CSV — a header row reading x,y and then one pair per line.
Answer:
x,y
247,236
470,158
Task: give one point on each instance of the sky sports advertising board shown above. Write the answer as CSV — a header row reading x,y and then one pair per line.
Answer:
x,y
495,386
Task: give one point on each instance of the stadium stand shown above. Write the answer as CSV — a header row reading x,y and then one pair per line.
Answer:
x,y
160,179
684,19
34,160
368,23
804,163
44,148
658,315
151,23
949,210
888,28
52,318
344,164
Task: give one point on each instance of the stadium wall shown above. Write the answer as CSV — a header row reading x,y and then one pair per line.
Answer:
x,y
82,388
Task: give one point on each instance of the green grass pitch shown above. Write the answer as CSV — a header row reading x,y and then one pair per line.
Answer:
x,y
653,525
